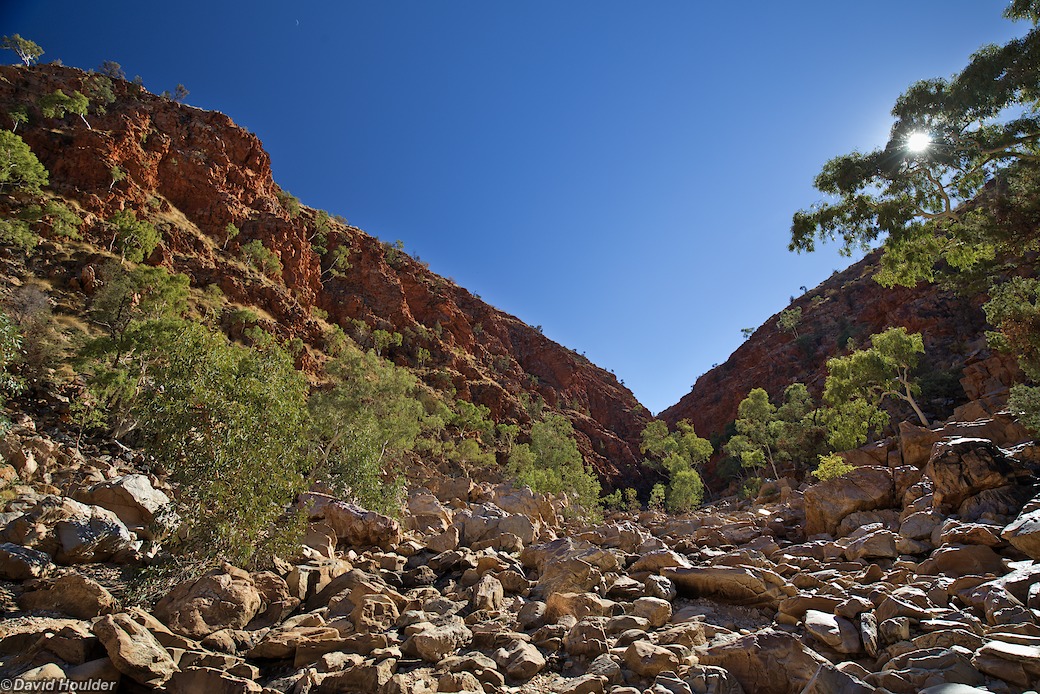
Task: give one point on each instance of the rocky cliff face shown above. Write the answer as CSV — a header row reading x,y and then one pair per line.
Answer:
x,y
194,172
850,304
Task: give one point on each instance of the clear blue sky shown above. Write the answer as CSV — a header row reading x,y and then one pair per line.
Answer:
x,y
621,173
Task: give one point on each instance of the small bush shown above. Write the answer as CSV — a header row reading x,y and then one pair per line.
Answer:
x,y
831,466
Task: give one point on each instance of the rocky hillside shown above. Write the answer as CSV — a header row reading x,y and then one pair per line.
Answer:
x,y
850,304
195,172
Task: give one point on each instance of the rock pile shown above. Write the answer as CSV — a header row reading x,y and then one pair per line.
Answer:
x,y
897,579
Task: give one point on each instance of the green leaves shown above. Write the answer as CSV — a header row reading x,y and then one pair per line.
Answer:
x,y
857,384
552,464
20,171
982,126
135,239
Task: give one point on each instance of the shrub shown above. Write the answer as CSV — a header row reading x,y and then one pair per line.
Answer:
x,y
831,466
20,170
257,255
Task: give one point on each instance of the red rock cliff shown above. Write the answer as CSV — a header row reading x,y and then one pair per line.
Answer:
x,y
195,171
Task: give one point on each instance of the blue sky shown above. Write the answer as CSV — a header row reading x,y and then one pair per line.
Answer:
x,y
621,173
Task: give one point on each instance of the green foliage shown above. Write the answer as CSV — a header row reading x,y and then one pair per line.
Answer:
x,y
289,202
339,262
18,115
230,232
983,127
857,384
257,255
225,420
831,466
17,233
112,69
27,51
765,433
657,496
685,490
62,221
393,253
58,103
137,309
361,427
20,170
320,236
10,352
1025,400
135,239
678,452
98,90
472,418
1014,310
552,464
118,174
383,341
43,342
789,320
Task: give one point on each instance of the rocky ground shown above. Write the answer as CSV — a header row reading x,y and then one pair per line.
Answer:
x,y
920,568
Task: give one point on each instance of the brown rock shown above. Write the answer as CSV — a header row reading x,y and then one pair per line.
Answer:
x,y
741,585
862,489
520,660
648,660
225,598
353,525
134,651
73,594
766,662
963,467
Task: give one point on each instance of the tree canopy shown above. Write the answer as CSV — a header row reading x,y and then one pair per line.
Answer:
x,y
27,51
973,137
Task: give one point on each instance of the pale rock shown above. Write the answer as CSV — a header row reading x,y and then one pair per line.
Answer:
x,y
131,497
225,598
134,651
963,467
836,632
435,642
766,662
520,660
212,681
19,563
487,594
647,659
72,594
354,526
656,610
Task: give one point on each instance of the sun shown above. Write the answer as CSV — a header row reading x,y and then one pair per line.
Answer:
x,y
918,141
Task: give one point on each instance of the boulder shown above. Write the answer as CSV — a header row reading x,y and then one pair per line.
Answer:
x,y
19,563
69,531
962,467
73,594
435,642
520,660
131,497
740,585
862,489
836,632
353,525
1024,534
648,660
134,651
766,662
225,598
